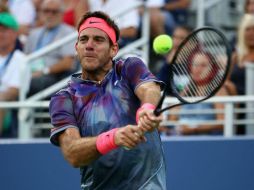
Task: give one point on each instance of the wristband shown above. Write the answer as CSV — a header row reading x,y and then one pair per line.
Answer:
x,y
144,106
105,142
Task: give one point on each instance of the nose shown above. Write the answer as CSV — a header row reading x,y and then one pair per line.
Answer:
x,y
90,44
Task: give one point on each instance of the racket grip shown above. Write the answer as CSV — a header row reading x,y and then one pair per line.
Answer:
x,y
144,106
156,112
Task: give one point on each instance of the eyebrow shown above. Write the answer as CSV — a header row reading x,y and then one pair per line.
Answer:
x,y
93,36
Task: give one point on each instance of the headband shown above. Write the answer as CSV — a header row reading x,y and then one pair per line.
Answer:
x,y
94,22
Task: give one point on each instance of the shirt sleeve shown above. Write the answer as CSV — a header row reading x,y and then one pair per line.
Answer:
x,y
136,73
61,114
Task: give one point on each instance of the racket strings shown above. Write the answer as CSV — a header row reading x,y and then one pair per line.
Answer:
x,y
209,47
183,67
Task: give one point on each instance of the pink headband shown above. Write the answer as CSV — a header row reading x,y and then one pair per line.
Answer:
x,y
94,22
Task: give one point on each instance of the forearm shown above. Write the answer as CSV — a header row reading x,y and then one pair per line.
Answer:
x,y
200,129
78,151
64,64
9,95
129,32
149,93
81,151
177,5
203,129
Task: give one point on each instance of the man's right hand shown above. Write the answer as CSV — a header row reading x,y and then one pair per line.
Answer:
x,y
129,136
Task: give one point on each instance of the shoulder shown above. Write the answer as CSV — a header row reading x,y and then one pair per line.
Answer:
x,y
131,61
19,54
60,101
36,30
62,94
18,58
35,33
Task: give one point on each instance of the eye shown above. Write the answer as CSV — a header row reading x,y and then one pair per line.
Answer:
x,y
83,39
99,39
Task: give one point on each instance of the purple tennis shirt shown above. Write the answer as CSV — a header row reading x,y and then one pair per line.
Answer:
x,y
95,108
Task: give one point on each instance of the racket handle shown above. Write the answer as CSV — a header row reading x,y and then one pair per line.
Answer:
x,y
156,112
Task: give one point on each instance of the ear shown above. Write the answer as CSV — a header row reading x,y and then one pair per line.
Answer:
x,y
76,46
114,50
76,53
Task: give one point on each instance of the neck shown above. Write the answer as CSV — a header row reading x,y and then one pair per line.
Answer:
x,y
96,75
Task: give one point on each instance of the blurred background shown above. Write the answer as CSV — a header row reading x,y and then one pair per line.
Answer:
x,y
213,150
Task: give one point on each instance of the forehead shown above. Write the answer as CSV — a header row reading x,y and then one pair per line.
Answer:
x,y
93,32
51,4
201,58
2,27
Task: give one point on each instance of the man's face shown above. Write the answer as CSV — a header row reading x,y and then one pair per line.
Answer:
x,y
51,14
94,50
7,37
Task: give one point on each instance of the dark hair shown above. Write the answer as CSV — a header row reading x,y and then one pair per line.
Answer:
x,y
102,15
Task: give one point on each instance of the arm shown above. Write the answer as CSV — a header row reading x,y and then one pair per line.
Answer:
x,y
206,128
81,8
76,150
148,93
130,32
65,64
181,4
10,94
80,151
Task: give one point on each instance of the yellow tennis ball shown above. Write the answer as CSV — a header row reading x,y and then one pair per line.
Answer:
x,y
162,44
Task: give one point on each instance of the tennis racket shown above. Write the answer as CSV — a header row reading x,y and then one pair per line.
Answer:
x,y
198,69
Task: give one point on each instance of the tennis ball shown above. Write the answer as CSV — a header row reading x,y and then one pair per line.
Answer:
x,y
162,44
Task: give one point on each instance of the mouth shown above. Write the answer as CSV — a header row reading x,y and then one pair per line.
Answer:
x,y
89,56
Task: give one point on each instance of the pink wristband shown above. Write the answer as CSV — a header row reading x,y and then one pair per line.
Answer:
x,y
144,106
105,142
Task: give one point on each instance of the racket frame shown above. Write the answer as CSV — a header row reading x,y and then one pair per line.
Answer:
x,y
172,86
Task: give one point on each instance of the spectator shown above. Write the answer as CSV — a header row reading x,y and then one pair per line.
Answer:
x,y
24,12
74,9
200,65
249,7
128,22
165,15
244,53
37,20
12,62
57,64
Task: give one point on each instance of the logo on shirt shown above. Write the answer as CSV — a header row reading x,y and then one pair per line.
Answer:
x,y
93,22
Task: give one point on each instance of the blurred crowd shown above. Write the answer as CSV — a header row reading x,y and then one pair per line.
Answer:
x,y
29,25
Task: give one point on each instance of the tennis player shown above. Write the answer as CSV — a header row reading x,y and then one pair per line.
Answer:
x,y
103,120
